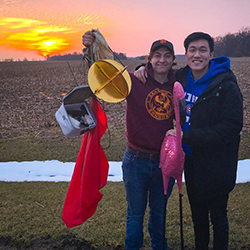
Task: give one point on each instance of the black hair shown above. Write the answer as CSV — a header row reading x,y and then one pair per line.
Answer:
x,y
197,36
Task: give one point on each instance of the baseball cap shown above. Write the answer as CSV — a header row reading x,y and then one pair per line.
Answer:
x,y
162,43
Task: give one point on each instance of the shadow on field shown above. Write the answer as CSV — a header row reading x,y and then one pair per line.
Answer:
x,y
67,242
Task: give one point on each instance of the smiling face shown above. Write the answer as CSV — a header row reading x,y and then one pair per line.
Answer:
x,y
198,56
162,61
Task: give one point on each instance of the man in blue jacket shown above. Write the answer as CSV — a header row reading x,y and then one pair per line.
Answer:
x,y
211,136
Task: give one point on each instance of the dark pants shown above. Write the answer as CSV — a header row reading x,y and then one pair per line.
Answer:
x,y
201,209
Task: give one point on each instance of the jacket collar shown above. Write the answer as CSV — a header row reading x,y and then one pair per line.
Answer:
x,y
181,76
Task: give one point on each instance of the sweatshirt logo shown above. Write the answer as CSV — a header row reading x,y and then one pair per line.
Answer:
x,y
159,104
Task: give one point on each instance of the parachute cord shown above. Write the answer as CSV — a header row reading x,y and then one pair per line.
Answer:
x,y
116,57
72,73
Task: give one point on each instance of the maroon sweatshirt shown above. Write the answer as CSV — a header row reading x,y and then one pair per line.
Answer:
x,y
150,112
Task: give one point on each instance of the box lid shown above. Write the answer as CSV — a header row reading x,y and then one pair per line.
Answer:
x,y
77,95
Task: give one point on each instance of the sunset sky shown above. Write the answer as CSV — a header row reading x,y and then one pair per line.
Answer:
x,y
34,29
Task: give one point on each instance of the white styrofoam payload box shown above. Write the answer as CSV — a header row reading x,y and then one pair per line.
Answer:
x,y
75,116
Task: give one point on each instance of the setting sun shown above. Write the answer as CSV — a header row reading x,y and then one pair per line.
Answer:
x,y
47,48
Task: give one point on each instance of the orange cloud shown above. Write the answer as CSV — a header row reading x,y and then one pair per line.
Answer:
x,y
33,35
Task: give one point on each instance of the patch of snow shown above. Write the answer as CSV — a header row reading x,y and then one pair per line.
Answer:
x,y
62,171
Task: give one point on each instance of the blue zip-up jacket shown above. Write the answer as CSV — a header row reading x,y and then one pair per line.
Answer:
x,y
195,88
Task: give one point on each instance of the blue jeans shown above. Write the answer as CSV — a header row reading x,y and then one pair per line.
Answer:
x,y
143,183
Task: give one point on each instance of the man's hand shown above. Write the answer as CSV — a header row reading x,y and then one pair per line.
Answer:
x,y
88,38
141,74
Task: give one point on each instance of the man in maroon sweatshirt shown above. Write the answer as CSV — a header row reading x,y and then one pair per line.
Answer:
x,y
149,115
